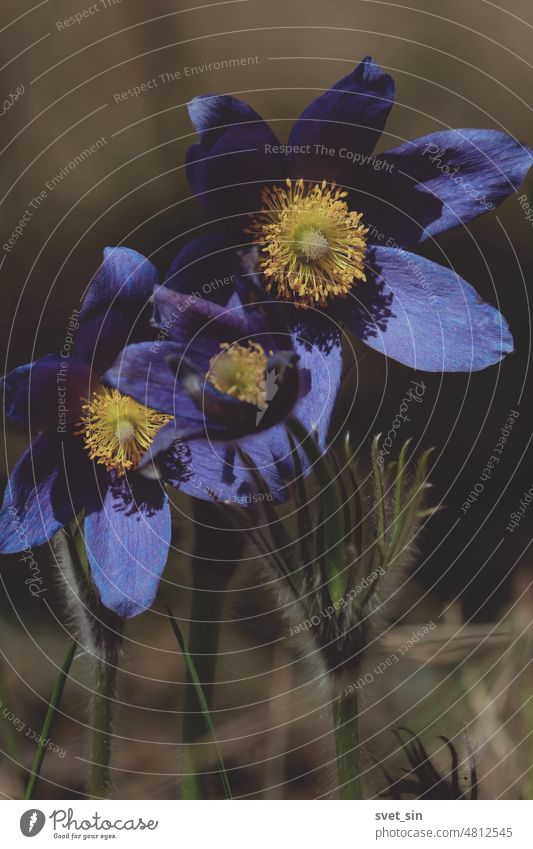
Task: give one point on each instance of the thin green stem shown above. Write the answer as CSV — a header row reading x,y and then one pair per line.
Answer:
x,y
347,745
12,746
202,702
206,610
207,604
49,718
210,579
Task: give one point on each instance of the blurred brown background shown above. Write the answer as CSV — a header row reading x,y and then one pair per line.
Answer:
x,y
455,65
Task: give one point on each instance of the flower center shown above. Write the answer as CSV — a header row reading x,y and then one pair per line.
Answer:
x,y
311,244
116,430
239,370
313,247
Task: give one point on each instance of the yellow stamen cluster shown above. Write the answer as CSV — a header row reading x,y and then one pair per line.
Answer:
x,y
116,430
313,247
239,370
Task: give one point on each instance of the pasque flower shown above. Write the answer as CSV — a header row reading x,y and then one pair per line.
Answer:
x,y
237,349
225,374
91,439
333,222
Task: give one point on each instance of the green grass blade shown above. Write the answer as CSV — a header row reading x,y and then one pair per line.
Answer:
x,y
202,702
379,489
345,499
413,500
11,740
357,535
49,718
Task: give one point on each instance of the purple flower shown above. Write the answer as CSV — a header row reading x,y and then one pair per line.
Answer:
x,y
222,373
333,221
221,347
91,439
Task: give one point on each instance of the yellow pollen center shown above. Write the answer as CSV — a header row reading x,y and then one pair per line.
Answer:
x,y
239,370
312,246
116,430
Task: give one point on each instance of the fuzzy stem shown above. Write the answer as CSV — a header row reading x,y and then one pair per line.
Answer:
x,y
102,719
347,745
210,579
102,631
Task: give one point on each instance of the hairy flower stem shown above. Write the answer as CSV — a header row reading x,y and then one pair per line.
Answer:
x,y
210,579
100,633
347,744
102,719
